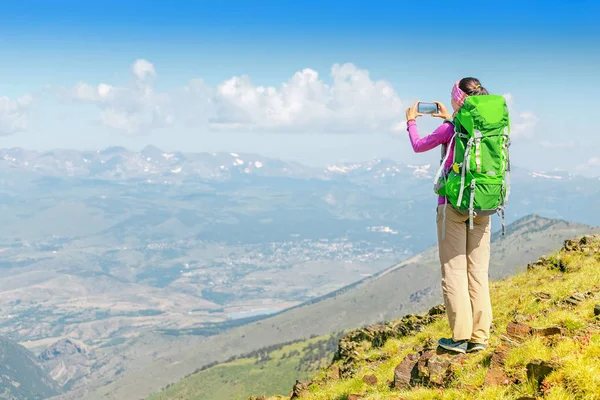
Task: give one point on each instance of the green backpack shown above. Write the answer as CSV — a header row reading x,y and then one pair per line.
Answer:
x,y
479,181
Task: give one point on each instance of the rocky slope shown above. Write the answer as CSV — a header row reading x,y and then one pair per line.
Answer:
x,y
545,343
407,287
21,376
68,360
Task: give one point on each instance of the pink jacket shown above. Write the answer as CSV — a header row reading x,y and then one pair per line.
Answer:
x,y
443,134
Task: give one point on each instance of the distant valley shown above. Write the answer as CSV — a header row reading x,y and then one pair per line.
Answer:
x,y
141,254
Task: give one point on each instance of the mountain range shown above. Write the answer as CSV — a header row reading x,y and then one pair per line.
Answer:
x,y
157,166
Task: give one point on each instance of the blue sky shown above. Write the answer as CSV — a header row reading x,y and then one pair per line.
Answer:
x,y
544,54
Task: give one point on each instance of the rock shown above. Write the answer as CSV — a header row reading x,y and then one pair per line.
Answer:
x,y
549,331
380,334
538,370
422,365
520,318
438,369
300,388
496,376
405,372
417,348
582,244
542,296
575,299
370,380
570,244
538,264
437,310
412,324
68,360
430,344
518,330
498,356
348,370
348,351
597,310
66,347
377,335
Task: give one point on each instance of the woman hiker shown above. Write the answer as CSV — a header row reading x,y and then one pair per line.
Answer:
x,y
464,253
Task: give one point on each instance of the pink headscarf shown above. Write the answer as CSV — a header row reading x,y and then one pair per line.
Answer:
x,y
458,95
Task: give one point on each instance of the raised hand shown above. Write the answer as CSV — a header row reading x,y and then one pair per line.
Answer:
x,y
411,113
444,114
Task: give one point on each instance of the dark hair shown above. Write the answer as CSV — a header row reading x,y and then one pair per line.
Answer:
x,y
472,87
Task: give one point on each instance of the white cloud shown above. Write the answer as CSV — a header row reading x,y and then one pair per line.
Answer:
x,y
132,110
143,70
353,103
522,124
305,103
348,101
14,114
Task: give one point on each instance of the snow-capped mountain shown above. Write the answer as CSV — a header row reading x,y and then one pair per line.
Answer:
x,y
154,165
151,164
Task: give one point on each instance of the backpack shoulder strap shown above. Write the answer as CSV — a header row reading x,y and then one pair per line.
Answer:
x,y
444,158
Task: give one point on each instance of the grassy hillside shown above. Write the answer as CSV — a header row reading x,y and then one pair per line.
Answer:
x,y
545,343
408,287
270,370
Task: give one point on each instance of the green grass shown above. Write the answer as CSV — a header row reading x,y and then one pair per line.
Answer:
x,y
577,351
270,371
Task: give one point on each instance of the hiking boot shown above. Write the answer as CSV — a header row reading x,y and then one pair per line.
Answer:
x,y
475,347
451,345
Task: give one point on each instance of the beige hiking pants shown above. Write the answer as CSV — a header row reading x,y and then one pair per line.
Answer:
x,y
465,257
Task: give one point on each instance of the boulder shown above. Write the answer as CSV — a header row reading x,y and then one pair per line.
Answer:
x,y
498,356
438,369
538,370
518,330
548,331
300,388
437,310
575,299
496,375
422,365
406,372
